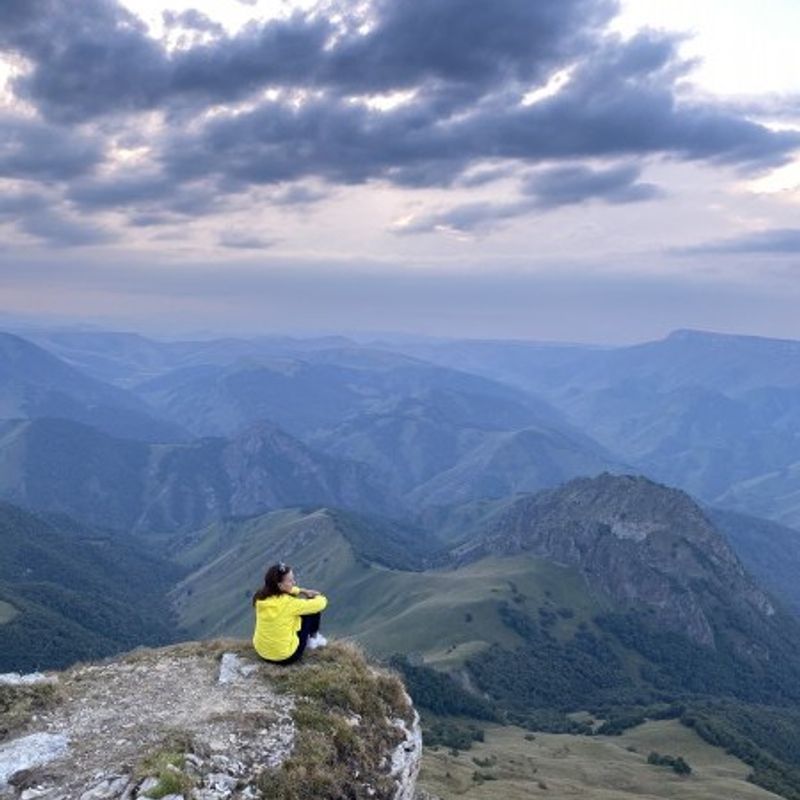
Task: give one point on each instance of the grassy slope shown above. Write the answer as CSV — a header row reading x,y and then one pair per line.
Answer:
x,y
429,612
215,598
387,610
595,768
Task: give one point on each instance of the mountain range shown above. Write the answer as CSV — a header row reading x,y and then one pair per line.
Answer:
x,y
56,465
35,384
511,515
717,415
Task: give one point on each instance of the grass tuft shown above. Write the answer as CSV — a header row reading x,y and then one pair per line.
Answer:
x,y
166,763
340,678
343,726
19,703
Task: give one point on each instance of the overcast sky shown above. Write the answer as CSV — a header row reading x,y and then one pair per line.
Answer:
x,y
582,170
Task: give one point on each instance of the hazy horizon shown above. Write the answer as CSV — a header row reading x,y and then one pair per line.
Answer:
x,y
597,171
21,326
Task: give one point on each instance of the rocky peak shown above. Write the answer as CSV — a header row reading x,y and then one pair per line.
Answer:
x,y
209,721
643,544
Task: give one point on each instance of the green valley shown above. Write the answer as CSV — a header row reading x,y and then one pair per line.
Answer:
x,y
445,614
513,764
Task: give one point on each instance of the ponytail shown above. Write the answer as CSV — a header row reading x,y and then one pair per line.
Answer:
x,y
275,574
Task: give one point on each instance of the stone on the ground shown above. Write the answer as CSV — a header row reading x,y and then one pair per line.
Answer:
x,y
30,751
233,669
32,678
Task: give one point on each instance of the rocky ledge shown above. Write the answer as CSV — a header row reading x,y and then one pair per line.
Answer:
x,y
208,721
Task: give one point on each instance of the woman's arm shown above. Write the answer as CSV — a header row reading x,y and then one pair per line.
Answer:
x,y
310,606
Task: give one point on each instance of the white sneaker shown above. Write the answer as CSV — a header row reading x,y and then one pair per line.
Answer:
x,y
315,641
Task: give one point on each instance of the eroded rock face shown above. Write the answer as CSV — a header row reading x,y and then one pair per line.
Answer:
x,y
181,722
645,545
406,758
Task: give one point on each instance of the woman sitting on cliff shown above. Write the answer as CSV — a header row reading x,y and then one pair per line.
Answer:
x,y
287,617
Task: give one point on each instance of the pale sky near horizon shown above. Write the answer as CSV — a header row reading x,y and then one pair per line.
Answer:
x,y
547,170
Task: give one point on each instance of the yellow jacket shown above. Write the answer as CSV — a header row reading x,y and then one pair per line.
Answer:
x,y
278,621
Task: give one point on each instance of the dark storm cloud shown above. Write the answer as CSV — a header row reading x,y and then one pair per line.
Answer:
x,y
94,57
86,58
466,67
122,191
148,193
619,102
541,191
37,215
779,241
39,151
276,143
490,43
284,53
563,186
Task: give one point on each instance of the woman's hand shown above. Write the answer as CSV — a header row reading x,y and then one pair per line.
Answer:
x,y
309,593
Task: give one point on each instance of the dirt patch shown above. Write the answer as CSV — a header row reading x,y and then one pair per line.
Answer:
x,y
116,716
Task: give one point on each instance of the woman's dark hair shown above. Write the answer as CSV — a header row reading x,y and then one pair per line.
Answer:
x,y
275,574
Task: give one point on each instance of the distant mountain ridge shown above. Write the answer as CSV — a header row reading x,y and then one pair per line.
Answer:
x,y
716,414
685,357
127,359
61,466
448,421
427,435
771,552
516,461
36,384
316,391
442,446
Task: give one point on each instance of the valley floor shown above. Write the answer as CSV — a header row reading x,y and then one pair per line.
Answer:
x,y
511,765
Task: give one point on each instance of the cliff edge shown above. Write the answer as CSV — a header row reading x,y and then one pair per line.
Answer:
x,y
209,721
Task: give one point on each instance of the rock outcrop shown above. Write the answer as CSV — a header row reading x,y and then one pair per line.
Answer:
x,y
645,545
208,721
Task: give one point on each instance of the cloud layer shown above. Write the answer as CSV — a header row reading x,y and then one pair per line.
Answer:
x,y
412,94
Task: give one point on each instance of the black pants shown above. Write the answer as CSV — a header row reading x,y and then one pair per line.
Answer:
x,y
309,625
